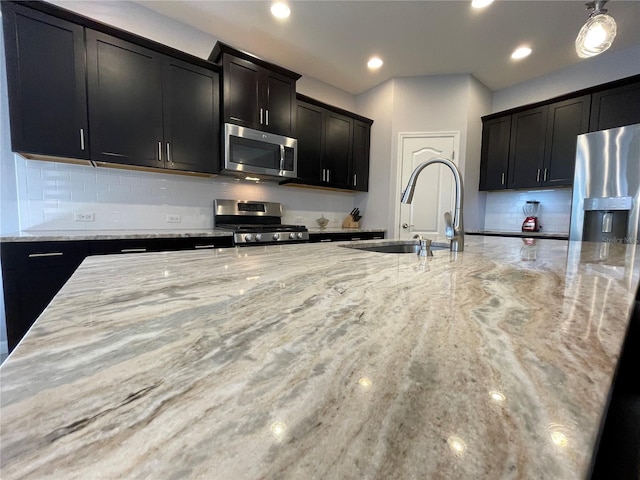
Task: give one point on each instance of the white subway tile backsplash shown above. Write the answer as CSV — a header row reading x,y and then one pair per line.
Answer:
x,y
504,210
49,193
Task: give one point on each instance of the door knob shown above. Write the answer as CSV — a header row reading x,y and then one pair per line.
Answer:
x,y
406,225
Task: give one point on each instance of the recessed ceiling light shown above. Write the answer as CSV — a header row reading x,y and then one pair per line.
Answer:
x,y
481,3
374,62
521,52
280,10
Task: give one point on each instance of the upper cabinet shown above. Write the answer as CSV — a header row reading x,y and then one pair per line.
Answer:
x,y
46,83
333,147
151,110
147,105
256,94
615,107
535,146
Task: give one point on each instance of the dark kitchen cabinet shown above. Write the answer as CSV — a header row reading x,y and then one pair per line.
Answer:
x,y
338,149
526,148
566,120
315,237
256,94
494,159
615,107
191,108
32,274
360,162
125,101
333,147
46,83
310,131
149,109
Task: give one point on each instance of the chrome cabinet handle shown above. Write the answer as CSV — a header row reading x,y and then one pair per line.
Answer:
x,y
132,250
204,246
169,154
502,179
328,175
355,179
260,116
538,176
266,114
48,254
546,173
159,151
82,139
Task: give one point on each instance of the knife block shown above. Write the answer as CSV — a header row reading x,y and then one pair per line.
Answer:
x,y
349,223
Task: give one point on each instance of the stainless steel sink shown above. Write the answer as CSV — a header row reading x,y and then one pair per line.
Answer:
x,y
395,247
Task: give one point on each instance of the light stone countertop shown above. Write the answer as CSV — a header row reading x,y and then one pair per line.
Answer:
x,y
319,361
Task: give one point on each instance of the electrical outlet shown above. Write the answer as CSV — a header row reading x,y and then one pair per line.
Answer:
x,y
84,217
173,219
299,220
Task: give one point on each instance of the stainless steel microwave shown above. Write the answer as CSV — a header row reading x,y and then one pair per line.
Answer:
x,y
252,153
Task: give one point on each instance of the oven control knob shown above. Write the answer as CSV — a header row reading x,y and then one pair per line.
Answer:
x,y
276,236
299,235
258,237
248,237
292,236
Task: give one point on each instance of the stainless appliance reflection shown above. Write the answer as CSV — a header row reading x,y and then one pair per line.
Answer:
x,y
606,186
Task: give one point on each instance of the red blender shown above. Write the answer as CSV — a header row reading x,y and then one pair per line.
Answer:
x,y
531,210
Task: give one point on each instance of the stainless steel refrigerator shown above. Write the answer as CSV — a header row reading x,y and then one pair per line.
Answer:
x,y
606,186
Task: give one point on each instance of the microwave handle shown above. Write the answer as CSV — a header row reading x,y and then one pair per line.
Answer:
x,y
281,157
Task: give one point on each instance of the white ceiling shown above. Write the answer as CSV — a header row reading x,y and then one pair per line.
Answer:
x,y
332,40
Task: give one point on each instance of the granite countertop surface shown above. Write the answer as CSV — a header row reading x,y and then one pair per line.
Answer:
x,y
320,361
504,233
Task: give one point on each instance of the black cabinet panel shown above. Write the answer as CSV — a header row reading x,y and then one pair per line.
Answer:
x,y
615,107
191,97
566,121
495,153
32,274
360,161
125,102
345,236
526,148
338,148
241,92
310,131
281,113
48,111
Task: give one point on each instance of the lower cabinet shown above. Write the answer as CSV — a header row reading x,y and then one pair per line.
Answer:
x,y
34,272
345,236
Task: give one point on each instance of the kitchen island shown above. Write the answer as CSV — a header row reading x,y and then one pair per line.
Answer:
x,y
320,361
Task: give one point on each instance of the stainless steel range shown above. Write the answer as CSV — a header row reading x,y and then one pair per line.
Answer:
x,y
256,223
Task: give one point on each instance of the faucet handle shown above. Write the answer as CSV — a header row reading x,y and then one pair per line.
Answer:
x,y
448,226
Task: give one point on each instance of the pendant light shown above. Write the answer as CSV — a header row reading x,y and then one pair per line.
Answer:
x,y
597,33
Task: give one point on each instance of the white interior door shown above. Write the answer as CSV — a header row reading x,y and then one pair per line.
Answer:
x,y
435,188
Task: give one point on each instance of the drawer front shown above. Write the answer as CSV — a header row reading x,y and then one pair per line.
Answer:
x,y
28,255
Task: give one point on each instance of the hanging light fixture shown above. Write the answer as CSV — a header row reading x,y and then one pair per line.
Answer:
x,y
597,34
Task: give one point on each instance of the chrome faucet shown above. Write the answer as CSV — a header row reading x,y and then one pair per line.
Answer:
x,y
453,230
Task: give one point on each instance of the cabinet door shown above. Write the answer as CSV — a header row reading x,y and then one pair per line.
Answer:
x,y
280,114
360,160
615,107
310,131
526,147
338,148
46,82
566,121
125,102
32,274
495,153
191,117
241,97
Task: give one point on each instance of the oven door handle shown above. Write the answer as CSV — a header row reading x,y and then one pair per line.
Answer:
x,y
281,158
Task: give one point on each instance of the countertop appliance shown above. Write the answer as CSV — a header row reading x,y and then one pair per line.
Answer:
x,y
256,223
531,210
606,186
256,155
